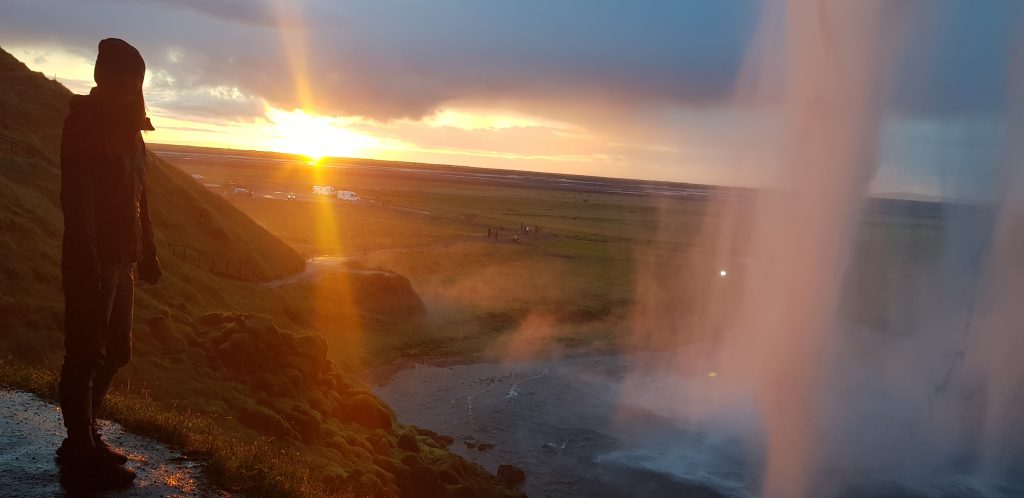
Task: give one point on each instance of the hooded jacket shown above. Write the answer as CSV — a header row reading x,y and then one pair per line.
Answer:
x,y
103,192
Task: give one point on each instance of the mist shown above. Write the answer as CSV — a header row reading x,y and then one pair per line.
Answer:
x,y
846,353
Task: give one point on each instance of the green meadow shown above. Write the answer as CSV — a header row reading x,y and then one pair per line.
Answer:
x,y
576,265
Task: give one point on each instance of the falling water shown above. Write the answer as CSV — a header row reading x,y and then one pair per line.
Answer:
x,y
838,407
802,230
998,336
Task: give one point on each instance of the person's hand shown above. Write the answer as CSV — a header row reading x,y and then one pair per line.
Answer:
x,y
149,268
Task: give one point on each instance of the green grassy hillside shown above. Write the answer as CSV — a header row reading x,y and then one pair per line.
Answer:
x,y
234,370
33,110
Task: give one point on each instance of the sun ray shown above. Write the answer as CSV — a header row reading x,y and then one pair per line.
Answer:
x,y
334,303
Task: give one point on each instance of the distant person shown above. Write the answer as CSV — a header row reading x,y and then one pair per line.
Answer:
x,y
107,234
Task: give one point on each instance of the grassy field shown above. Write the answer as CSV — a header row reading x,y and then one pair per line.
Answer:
x,y
596,253
577,272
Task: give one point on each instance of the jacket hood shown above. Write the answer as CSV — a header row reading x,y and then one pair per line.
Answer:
x,y
118,61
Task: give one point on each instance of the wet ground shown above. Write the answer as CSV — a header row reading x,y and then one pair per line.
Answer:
x,y
31,430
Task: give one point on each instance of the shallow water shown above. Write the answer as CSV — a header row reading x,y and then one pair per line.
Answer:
x,y
563,423
576,431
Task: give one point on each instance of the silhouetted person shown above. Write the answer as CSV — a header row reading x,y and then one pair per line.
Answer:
x,y
107,233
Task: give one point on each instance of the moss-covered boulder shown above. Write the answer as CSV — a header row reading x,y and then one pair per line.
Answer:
x,y
367,411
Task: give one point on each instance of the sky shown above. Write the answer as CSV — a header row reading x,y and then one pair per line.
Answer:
x,y
598,87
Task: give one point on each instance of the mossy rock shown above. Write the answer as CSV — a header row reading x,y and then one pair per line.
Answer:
x,y
407,442
238,352
386,464
306,423
293,377
511,476
312,347
369,485
447,477
337,443
421,481
261,325
442,440
380,445
273,385
411,460
356,441
368,412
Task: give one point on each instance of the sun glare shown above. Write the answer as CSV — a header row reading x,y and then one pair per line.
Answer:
x,y
315,137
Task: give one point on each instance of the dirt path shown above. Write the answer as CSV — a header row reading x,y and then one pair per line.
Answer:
x,y
31,430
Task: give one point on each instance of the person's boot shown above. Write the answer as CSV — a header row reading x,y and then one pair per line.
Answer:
x,y
104,449
83,466
69,446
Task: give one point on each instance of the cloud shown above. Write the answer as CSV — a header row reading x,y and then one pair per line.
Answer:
x,y
645,83
202,102
390,60
243,11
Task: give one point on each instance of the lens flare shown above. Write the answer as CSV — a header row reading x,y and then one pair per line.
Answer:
x,y
315,137
304,132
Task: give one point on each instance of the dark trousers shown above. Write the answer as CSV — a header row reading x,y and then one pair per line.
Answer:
x,y
97,342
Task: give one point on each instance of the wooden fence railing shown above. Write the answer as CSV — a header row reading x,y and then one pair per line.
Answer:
x,y
20,148
218,264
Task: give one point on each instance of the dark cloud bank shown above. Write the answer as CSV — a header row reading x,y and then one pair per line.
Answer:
x,y
388,59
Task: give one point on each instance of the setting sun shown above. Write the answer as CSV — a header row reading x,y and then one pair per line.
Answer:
x,y
316,137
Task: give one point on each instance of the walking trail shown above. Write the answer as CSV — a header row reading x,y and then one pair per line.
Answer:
x,y
31,430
